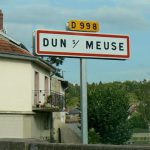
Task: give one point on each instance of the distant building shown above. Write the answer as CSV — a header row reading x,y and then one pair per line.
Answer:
x,y
27,94
73,116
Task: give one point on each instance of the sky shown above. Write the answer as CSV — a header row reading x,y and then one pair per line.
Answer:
x,y
130,17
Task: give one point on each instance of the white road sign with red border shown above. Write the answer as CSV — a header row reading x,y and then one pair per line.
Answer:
x,y
81,44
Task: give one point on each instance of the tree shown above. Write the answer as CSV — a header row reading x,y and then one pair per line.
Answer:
x,y
144,101
55,60
138,122
108,106
73,96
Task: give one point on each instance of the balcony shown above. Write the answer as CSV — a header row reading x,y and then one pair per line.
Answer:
x,y
45,101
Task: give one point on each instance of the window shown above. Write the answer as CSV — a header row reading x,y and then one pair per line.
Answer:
x,y
36,87
46,86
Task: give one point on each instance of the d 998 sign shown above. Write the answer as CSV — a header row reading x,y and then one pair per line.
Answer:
x,y
87,26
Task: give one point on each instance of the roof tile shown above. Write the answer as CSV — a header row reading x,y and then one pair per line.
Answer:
x,y
8,47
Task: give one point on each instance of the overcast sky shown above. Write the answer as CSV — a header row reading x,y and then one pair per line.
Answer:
x,y
130,17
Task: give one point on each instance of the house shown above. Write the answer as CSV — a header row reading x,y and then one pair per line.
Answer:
x,y
58,86
73,116
26,101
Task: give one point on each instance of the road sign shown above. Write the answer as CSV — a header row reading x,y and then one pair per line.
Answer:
x,y
79,44
82,25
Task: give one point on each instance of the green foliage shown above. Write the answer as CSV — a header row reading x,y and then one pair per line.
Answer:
x,y
108,107
58,73
93,137
55,60
73,96
73,102
108,112
137,121
144,100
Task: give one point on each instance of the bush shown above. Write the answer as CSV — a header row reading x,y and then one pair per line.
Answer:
x,y
93,137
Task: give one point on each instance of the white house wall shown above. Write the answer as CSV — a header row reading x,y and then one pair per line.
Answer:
x,y
34,126
55,85
11,126
62,90
17,98
15,85
42,74
24,126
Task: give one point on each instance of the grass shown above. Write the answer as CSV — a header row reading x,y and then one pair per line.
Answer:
x,y
139,130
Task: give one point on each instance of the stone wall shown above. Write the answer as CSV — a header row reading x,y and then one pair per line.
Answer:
x,y
24,144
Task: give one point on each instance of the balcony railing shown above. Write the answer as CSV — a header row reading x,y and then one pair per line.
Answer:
x,y
48,101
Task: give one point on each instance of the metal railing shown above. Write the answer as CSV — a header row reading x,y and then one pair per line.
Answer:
x,y
48,99
57,99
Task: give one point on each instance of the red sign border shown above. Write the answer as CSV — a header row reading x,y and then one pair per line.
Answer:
x,y
88,55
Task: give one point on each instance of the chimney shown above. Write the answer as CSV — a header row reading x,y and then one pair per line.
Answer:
x,y
1,20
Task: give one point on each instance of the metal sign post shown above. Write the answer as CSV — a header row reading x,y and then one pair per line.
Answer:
x,y
83,101
82,45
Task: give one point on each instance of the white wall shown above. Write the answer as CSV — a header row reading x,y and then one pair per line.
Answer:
x,y
62,91
35,126
24,126
55,85
17,95
42,73
15,85
11,126
40,126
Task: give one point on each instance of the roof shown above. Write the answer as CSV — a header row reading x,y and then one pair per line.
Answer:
x,y
74,111
10,48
